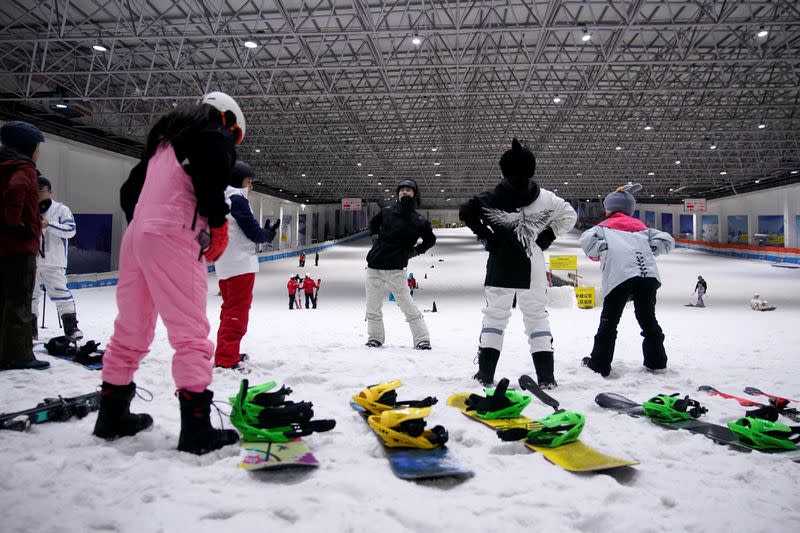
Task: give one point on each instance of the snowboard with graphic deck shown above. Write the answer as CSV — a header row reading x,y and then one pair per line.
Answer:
x,y
574,456
717,433
779,404
417,464
276,455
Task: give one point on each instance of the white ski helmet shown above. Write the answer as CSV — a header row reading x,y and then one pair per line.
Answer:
x,y
228,106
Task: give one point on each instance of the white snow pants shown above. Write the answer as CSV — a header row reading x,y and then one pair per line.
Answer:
x,y
379,284
55,281
533,304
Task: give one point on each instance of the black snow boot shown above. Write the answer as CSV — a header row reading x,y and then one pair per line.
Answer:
x,y
70,322
487,362
115,418
197,435
543,363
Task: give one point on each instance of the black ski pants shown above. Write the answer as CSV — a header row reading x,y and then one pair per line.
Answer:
x,y
17,275
643,293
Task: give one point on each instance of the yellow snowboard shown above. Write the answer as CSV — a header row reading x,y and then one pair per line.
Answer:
x,y
575,456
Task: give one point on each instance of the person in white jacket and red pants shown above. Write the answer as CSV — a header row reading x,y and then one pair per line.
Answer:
x,y
627,249
58,226
236,268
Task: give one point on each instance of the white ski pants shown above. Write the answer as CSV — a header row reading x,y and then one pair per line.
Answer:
x,y
379,284
533,304
55,281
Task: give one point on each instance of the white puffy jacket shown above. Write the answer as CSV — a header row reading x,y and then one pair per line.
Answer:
x,y
244,232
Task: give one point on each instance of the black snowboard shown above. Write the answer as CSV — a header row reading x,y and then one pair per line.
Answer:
x,y
720,434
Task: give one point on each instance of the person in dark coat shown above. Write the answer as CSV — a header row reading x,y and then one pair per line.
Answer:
x,y
394,231
516,221
20,231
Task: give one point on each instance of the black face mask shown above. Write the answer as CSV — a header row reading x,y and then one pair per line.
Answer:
x,y
406,204
44,205
519,182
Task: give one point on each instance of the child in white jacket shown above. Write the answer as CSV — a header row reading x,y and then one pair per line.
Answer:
x,y
627,250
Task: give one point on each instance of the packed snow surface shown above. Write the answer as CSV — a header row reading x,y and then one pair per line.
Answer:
x,y
58,477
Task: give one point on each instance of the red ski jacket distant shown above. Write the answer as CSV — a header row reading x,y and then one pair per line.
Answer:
x,y
292,286
412,283
309,285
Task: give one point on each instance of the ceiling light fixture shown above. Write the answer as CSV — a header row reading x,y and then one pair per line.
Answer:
x,y
793,172
303,175
434,149
258,150
416,40
618,148
762,126
557,99
358,164
566,183
677,161
648,127
436,164
369,175
758,181
651,173
713,147
319,183
441,190
98,47
586,36
250,44
762,33
723,173
62,106
437,175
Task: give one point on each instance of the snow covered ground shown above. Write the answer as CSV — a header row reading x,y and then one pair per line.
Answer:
x,y
58,477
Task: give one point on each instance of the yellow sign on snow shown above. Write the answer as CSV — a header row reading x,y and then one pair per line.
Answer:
x,y
563,262
585,296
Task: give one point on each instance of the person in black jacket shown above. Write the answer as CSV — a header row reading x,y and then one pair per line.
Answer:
x,y
516,221
394,232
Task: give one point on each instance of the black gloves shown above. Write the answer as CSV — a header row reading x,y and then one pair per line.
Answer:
x,y
545,238
271,230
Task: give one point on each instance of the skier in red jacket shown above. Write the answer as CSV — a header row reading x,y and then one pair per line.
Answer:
x,y
308,288
292,287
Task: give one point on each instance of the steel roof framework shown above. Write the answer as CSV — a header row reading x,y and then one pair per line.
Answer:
x,y
331,84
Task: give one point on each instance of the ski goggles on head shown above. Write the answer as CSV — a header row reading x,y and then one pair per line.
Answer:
x,y
229,124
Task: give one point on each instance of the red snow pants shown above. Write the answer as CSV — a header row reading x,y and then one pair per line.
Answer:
x,y
237,295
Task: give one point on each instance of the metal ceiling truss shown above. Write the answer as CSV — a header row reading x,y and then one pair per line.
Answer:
x,y
332,84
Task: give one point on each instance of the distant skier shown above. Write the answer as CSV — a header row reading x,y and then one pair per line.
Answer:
x,y
627,249
394,231
292,287
316,259
412,284
516,221
308,289
700,289
757,304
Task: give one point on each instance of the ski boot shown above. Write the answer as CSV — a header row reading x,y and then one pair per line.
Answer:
x,y
487,363
70,321
423,345
115,419
372,343
197,436
543,363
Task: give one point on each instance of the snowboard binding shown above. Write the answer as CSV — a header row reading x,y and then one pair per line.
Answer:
x,y
664,408
382,397
405,428
67,346
263,416
557,429
498,402
763,434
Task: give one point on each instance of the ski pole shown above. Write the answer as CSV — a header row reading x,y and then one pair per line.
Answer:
x,y
44,304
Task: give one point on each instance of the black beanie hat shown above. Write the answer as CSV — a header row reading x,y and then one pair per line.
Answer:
x,y
408,182
44,182
21,136
240,171
518,163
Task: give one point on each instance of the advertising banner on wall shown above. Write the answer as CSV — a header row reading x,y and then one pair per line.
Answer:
x,y
737,229
771,225
315,227
89,250
650,219
666,222
710,228
286,229
301,230
687,225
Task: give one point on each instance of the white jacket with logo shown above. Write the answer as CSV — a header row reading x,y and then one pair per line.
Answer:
x,y
244,232
53,244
